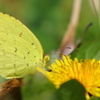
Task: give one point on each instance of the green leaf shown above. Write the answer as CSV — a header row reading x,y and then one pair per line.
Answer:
x,y
88,50
95,98
71,90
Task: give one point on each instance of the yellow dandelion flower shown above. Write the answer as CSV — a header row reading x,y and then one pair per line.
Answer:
x,y
87,72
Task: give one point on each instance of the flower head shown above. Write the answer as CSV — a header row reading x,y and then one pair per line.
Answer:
x,y
87,72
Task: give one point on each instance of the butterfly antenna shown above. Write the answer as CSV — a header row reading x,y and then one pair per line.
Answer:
x,y
83,35
85,31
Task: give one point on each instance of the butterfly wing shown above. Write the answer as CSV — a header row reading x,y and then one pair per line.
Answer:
x,y
20,50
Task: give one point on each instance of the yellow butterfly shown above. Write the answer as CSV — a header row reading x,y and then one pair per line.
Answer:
x,y
20,50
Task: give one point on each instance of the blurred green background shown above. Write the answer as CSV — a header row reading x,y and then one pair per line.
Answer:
x,y
48,20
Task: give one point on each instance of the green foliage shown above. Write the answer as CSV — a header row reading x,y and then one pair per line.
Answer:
x,y
71,90
48,19
95,98
37,88
88,50
44,90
